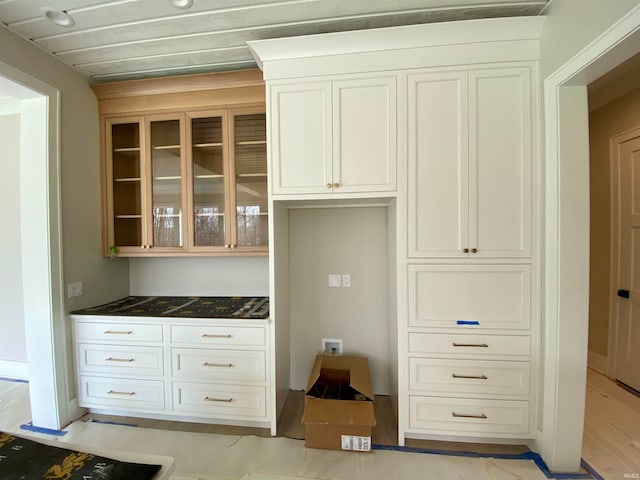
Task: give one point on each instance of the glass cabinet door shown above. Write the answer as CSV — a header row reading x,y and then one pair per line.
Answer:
x,y
208,165
250,166
126,182
167,203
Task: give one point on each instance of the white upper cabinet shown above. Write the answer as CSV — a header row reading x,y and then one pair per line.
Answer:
x,y
331,137
469,154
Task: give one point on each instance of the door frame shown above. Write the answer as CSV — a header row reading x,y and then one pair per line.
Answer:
x,y
42,264
566,240
614,153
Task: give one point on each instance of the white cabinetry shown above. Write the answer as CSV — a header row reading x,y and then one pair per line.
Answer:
x,y
333,136
200,370
470,163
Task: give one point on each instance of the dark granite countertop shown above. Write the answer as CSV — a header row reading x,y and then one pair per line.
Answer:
x,y
184,307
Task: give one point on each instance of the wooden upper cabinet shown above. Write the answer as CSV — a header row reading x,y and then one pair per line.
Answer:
x,y
470,154
185,181
336,136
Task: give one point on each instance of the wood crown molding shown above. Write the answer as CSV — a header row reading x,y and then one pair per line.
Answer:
x,y
178,84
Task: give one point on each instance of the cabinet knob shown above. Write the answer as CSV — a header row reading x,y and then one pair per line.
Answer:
x,y
474,250
233,246
336,185
329,185
227,245
466,250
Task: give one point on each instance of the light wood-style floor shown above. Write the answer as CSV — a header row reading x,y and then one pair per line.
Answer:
x,y
611,440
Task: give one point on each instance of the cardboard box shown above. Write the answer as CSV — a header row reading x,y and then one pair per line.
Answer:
x,y
338,405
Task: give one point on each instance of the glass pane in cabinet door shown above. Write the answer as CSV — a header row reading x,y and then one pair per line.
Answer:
x,y
166,167
208,182
127,211
251,179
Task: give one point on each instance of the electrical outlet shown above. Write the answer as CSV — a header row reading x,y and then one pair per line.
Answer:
x,y
334,280
74,289
346,280
332,346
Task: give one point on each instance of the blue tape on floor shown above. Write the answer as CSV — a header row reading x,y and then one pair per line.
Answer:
x,y
19,380
537,459
49,431
106,422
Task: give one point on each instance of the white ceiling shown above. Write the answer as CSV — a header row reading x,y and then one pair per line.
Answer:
x,y
123,39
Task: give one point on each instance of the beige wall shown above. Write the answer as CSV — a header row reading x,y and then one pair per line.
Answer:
x,y
12,338
573,24
617,117
103,279
339,241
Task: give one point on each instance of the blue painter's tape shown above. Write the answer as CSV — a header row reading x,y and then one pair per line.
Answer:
x,y
468,322
106,422
19,380
49,431
534,457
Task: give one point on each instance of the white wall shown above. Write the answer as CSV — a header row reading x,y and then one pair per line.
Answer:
x,y
339,241
204,276
573,24
13,347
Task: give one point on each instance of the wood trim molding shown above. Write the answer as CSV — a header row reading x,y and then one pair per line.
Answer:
x,y
178,84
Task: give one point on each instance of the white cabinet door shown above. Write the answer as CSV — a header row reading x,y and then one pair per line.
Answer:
x,y
500,162
438,164
301,154
364,135
470,168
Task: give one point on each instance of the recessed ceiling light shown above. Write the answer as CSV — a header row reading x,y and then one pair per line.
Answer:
x,y
58,17
184,4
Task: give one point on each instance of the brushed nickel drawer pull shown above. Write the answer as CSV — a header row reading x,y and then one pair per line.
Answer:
x,y
111,359
224,400
117,332
226,365
212,335
483,345
479,377
464,415
115,392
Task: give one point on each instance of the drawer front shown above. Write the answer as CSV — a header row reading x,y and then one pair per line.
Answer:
x,y
226,365
121,393
115,359
469,416
119,332
470,346
468,376
473,296
218,335
219,400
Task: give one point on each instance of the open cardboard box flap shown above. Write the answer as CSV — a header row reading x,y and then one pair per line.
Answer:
x,y
358,368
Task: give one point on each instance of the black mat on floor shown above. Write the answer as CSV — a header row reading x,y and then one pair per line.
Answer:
x,y
22,459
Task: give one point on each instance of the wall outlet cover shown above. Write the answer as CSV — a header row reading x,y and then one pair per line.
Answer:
x,y
332,346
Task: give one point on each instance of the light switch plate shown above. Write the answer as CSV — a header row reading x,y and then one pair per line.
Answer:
x,y
74,289
346,280
334,280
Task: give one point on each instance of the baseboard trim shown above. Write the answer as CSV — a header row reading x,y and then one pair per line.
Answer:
x,y
15,370
597,362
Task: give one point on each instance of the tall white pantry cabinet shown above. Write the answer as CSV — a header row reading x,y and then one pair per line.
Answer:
x,y
440,124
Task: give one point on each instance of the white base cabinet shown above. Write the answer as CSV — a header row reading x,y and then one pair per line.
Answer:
x,y
200,370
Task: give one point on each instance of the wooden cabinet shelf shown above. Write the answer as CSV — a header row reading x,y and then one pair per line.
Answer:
x,y
187,181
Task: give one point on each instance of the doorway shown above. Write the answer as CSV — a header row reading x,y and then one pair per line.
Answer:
x,y
41,245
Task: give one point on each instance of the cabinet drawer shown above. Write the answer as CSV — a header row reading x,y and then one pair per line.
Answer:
x,y
469,416
119,332
469,376
219,400
217,335
470,296
471,345
114,359
229,365
121,393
